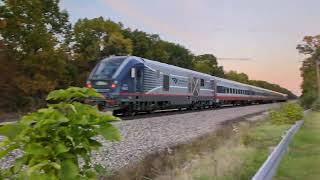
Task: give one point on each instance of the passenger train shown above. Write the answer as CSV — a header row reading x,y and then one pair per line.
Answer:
x,y
133,84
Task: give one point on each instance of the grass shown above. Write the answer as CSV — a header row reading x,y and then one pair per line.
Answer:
x,y
240,157
303,158
235,151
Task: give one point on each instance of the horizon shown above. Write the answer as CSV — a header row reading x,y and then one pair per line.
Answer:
x,y
270,33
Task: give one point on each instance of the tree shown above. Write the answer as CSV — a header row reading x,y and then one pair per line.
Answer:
x,y
33,32
308,86
207,63
235,76
310,69
95,39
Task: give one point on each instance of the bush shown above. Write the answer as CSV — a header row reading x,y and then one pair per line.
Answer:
x,y
54,139
293,111
316,105
278,117
289,113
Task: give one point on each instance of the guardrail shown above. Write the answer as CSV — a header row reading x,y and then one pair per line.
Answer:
x,y
269,167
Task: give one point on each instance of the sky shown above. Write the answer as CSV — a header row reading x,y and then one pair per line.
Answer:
x,y
266,31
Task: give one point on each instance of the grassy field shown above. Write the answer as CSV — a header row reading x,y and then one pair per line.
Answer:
x,y
303,158
239,157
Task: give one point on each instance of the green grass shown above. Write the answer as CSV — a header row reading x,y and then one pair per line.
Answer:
x,y
303,158
240,157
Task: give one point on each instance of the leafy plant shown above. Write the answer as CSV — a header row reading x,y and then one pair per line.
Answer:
x,y
55,138
278,117
292,111
289,113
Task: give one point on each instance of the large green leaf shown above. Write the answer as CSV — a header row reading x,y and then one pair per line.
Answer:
x,y
61,148
72,93
109,132
69,170
35,149
94,144
11,130
8,149
34,169
19,163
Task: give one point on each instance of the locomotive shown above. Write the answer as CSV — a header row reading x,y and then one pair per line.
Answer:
x,y
133,84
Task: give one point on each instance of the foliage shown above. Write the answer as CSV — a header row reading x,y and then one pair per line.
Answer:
x,y
207,63
279,117
33,35
95,39
310,46
235,76
289,113
316,105
54,139
309,85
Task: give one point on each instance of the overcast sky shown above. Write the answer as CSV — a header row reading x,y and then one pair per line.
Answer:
x,y
265,31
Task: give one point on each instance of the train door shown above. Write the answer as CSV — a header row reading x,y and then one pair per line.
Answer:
x,y
195,86
138,80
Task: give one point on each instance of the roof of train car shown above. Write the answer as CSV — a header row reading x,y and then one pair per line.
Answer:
x,y
157,63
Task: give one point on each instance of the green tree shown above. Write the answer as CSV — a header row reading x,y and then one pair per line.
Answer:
x,y
310,46
309,79
95,39
207,63
34,32
235,76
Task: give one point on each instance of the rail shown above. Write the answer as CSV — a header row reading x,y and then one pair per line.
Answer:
x,y
269,167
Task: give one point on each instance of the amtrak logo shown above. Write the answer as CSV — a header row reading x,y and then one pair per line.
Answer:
x,y
175,80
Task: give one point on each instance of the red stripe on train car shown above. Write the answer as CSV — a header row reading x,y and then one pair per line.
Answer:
x,y
158,94
190,94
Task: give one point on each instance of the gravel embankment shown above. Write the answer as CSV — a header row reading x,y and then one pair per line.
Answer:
x,y
147,135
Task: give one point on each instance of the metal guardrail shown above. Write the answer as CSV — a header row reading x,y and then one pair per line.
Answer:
x,y
269,167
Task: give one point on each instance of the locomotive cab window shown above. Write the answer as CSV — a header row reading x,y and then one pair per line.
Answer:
x,y
201,82
166,82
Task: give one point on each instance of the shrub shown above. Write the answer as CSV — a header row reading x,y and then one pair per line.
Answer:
x,y
55,138
316,105
292,111
278,117
289,113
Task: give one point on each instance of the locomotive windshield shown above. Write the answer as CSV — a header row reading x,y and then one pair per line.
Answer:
x,y
106,68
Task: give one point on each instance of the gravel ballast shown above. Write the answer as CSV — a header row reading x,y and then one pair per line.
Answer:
x,y
151,134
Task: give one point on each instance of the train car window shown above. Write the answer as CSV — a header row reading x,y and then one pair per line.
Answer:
x,y
166,82
202,82
220,89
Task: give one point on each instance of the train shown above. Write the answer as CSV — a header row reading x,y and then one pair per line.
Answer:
x,y
131,84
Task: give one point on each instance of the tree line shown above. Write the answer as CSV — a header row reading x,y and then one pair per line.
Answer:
x,y
40,50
